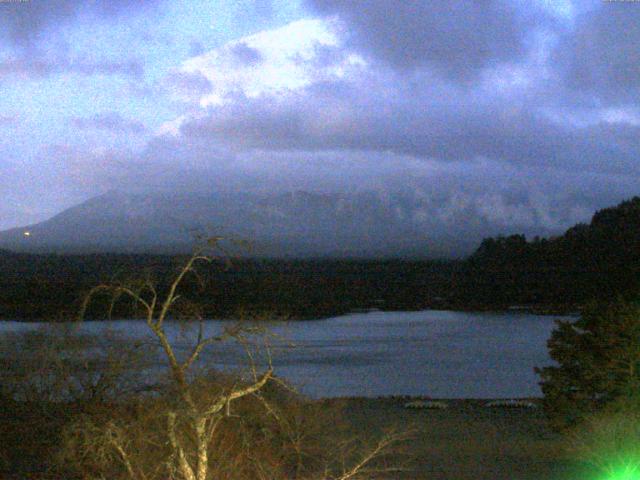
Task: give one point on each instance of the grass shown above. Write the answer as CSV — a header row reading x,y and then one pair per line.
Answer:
x,y
469,441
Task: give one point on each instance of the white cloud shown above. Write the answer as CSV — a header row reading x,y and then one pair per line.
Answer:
x,y
274,62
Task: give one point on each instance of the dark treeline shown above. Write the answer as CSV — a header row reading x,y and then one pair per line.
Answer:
x,y
590,261
52,286
600,259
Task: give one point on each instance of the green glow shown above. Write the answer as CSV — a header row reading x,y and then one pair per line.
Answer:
x,y
629,472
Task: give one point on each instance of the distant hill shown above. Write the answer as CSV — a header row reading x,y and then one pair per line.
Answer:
x,y
599,259
296,224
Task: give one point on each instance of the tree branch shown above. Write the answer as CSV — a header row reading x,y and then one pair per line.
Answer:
x,y
171,296
183,463
235,394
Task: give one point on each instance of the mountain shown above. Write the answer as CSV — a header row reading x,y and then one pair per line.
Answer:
x,y
295,224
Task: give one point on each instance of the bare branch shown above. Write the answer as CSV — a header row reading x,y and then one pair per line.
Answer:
x,y
199,347
235,394
183,464
117,291
171,296
377,451
115,438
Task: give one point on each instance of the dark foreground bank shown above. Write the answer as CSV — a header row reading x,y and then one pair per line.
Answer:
x,y
466,440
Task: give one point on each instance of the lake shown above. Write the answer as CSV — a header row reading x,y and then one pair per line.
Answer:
x,y
442,354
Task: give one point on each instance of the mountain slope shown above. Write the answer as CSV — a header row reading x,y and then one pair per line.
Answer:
x,y
292,224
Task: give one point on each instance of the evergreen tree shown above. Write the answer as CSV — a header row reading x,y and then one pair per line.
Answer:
x,y
598,361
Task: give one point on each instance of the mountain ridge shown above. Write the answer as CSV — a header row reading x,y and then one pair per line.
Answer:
x,y
298,223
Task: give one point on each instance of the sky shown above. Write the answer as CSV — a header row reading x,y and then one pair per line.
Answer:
x,y
529,110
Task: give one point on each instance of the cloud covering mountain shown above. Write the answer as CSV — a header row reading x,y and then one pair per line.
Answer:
x,y
524,116
410,220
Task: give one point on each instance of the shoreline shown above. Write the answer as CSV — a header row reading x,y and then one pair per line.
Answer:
x,y
541,310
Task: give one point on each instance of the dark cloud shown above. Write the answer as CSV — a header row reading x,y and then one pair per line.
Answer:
x,y
109,121
455,127
245,55
456,38
35,67
454,204
509,149
22,23
188,86
600,56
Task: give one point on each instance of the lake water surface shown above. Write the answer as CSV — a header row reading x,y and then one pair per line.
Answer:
x,y
436,353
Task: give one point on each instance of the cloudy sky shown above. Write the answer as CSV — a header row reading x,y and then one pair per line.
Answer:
x,y
528,109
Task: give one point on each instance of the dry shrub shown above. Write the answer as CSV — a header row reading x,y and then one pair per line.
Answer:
x,y
276,434
48,376
58,363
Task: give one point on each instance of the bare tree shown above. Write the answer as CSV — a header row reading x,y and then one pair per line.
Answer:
x,y
192,420
202,417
